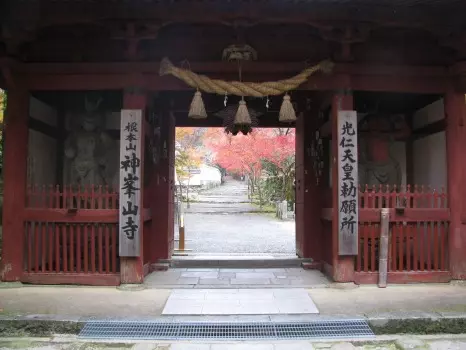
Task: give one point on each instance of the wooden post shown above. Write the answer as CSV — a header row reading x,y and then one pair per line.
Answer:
x,y
383,247
343,265
455,114
131,268
181,233
14,185
308,208
181,242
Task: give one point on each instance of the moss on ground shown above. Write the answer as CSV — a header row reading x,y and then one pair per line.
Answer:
x,y
36,328
421,326
20,344
31,344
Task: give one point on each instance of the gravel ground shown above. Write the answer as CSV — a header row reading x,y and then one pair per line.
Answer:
x,y
222,221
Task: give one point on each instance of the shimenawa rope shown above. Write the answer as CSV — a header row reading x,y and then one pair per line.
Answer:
x,y
238,88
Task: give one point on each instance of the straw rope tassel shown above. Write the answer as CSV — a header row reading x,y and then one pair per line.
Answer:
x,y
197,108
242,116
287,113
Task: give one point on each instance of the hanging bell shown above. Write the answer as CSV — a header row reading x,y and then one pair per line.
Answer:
x,y
197,108
287,113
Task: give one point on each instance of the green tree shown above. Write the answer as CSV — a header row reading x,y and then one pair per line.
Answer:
x,y
188,155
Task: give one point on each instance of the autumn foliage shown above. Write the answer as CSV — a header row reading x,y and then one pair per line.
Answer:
x,y
263,155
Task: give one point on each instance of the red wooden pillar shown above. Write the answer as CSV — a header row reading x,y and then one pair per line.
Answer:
x,y
308,193
299,184
343,266
163,206
14,177
131,268
455,114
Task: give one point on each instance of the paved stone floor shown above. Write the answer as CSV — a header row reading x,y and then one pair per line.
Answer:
x,y
237,278
396,342
223,221
239,302
370,301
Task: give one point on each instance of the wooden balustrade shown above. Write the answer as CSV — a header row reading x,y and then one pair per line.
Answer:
x,y
71,248
71,235
418,246
414,246
70,197
419,218
386,196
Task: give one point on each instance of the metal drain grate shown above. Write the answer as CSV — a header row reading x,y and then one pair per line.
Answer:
x,y
153,330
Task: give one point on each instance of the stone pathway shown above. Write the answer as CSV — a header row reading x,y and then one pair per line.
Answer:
x,y
397,342
222,221
239,302
236,278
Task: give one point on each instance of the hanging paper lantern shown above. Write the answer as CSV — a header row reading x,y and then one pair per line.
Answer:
x,y
287,113
197,108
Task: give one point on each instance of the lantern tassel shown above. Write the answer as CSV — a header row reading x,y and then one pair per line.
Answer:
x,y
287,113
197,108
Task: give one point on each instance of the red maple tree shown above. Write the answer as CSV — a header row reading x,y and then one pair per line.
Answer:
x,y
245,155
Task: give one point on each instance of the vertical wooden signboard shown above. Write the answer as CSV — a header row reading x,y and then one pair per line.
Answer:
x,y
130,227
348,183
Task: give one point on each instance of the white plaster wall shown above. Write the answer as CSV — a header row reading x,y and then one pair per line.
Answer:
x,y
42,111
41,148
429,114
429,153
430,162
209,176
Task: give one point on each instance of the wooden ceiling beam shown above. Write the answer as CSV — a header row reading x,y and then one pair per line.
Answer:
x,y
151,81
55,13
220,67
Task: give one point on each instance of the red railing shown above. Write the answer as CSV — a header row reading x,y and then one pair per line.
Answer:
x,y
71,248
71,235
67,197
386,196
418,227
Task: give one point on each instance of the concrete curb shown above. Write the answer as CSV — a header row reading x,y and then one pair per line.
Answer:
x,y
382,324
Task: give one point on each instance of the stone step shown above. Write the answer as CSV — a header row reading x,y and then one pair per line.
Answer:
x,y
235,262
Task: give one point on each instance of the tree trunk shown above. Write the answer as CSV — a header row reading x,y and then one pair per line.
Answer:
x,y
188,204
259,192
284,187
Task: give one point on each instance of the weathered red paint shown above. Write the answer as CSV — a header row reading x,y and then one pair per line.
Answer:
x,y
96,279
14,176
62,215
163,187
404,277
343,266
153,82
409,215
455,114
299,184
310,224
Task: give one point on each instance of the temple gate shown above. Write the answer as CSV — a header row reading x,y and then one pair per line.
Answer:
x,y
68,82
